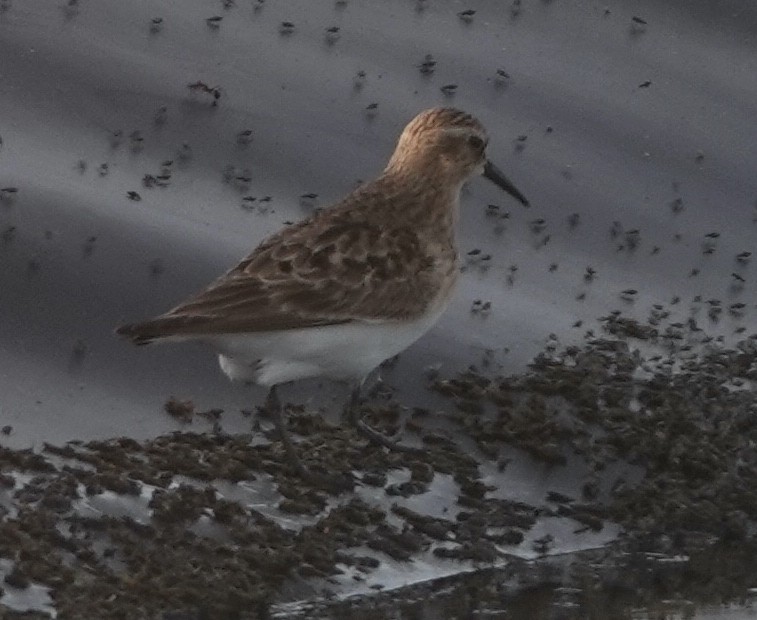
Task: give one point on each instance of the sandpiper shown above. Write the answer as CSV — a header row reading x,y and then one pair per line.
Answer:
x,y
351,286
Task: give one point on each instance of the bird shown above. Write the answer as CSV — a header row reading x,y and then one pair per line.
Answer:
x,y
349,287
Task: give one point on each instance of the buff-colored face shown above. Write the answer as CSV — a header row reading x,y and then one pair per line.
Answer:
x,y
450,143
463,150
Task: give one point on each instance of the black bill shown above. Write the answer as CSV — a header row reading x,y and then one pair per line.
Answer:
x,y
495,175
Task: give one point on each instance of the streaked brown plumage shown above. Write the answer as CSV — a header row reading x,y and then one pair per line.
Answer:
x,y
384,253
355,284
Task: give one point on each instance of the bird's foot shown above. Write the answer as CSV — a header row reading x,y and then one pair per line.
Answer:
x,y
380,439
352,413
330,482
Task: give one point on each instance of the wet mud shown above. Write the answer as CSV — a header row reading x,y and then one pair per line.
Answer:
x,y
664,444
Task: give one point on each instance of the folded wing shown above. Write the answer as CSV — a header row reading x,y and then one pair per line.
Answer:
x,y
308,275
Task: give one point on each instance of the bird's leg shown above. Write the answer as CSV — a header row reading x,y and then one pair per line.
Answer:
x,y
353,406
273,407
376,437
335,483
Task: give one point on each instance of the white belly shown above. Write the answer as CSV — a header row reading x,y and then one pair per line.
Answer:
x,y
345,352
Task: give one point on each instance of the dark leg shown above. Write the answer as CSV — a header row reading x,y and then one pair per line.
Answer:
x,y
370,433
273,407
335,483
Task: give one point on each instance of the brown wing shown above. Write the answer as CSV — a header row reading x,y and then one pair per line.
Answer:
x,y
324,271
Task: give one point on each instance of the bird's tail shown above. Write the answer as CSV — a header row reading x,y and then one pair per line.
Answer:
x,y
163,328
139,333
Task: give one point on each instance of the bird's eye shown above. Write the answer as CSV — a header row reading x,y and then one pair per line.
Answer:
x,y
476,142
